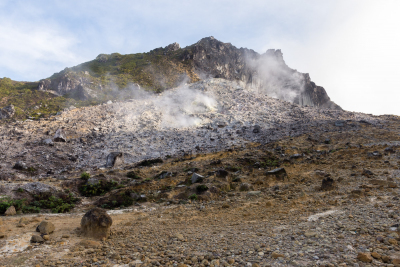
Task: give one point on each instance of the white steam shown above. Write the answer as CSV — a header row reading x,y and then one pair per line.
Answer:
x,y
274,78
175,108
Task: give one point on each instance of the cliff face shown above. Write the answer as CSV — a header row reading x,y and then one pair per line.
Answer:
x,y
208,58
267,73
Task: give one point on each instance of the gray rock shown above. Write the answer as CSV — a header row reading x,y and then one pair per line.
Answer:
x,y
7,112
48,142
37,239
20,165
60,136
196,178
279,173
254,193
37,188
114,159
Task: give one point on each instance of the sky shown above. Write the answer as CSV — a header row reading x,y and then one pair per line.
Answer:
x,y
351,47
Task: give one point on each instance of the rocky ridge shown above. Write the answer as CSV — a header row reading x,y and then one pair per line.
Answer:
x,y
208,58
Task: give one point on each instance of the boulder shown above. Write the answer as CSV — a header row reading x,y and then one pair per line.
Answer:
x,y
60,136
23,221
19,165
96,223
364,257
10,211
37,188
48,142
7,112
45,227
114,159
196,178
37,239
279,173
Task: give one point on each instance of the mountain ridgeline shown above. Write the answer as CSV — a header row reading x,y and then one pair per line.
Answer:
x,y
110,77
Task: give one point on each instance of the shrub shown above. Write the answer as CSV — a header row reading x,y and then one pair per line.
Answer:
x,y
193,197
132,175
89,190
201,188
85,176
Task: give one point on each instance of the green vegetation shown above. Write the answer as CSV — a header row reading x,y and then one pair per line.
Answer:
x,y
102,187
61,204
118,200
193,197
57,204
132,175
85,176
201,188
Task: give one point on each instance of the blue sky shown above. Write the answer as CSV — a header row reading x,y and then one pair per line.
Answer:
x,y
351,48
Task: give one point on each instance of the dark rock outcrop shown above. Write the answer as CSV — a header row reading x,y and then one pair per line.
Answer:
x,y
115,159
76,85
266,73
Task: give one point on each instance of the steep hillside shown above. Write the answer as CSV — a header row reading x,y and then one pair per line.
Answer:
x,y
116,76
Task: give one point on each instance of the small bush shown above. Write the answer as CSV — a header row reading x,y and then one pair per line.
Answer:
x,y
193,197
20,190
201,188
132,175
89,190
85,176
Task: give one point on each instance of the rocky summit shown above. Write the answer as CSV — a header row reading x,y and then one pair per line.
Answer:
x,y
229,164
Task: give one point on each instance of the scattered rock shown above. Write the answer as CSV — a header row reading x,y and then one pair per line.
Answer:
x,y
115,159
37,239
20,166
23,221
367,173
364,257
48,142
60,136
45,227
96,223
7,112
276,255
89,244
196,178
279,173
10,211
37,188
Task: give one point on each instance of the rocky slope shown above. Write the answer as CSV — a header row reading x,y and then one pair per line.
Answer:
x,y
337,205
211,115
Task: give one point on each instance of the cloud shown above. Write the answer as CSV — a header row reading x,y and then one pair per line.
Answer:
x,y
348,47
